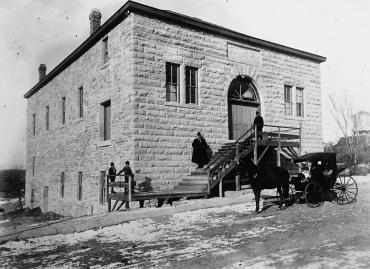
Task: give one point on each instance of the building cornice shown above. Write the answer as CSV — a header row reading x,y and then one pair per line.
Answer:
x,y
172,17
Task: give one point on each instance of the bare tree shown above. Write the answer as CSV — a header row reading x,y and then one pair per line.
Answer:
x,y
343,114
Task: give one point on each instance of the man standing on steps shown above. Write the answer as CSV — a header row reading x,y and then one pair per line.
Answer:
x,y
258,122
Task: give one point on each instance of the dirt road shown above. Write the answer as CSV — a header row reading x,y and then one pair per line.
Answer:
x,y
330,236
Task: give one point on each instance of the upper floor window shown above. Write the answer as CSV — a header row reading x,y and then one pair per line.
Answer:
x,y
191,80
299,102
63,110
105,120
172,82
34,124
47,118
81,101
288,99
105,50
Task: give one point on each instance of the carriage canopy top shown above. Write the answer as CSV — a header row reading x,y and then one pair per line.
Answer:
x,y
317,156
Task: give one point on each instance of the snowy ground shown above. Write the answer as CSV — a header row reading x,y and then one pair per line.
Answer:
x,y
330,236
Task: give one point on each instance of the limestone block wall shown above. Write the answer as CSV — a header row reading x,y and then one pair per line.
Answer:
x,y
77,146
164,130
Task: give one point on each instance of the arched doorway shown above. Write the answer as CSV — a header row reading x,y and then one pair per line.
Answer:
x,y
243,102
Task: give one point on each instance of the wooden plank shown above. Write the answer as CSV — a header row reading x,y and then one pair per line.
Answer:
x,y
119,207
114,206
274,143
118,184
282,135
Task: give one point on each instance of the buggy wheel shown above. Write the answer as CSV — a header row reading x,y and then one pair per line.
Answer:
x,y
344,190
314,194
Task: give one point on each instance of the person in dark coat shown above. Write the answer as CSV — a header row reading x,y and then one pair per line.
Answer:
x,y
200,151
112,175
128,172
258,122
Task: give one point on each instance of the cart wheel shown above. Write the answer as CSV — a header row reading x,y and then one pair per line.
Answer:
x,y
314,194
344,190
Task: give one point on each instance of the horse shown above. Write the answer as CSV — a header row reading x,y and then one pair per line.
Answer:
x,y
274,177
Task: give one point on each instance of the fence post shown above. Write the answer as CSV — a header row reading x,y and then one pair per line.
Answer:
x,y
279,148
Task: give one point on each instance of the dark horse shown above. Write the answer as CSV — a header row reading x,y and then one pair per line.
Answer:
x,y
274,177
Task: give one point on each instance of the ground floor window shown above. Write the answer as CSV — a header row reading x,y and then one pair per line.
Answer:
x,y
62,184
79,186
102,188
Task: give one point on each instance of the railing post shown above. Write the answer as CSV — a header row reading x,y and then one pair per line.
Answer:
x,y
279,148
128,199
255,145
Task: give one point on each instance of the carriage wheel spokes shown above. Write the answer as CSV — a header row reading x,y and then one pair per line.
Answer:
x,y
344,190
314,194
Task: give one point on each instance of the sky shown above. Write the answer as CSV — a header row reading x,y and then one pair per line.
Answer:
x,y
46,31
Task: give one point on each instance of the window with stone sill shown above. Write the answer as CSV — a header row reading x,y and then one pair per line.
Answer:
x,y
288,100
34,124
102,189
105,121
47,118
191,83
172,82
79,186
33,165
299,102
81,102
63,110
62,178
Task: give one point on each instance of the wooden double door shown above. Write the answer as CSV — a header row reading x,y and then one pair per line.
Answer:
x,y
242,117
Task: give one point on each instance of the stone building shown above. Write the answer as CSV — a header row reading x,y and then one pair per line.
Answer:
x,y
140,88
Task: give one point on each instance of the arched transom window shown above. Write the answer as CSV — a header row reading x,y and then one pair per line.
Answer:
x,y
242,89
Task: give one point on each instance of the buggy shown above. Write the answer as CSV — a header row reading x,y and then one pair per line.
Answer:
x,y
320,177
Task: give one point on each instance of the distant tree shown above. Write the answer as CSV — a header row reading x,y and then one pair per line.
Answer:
x,y
342,113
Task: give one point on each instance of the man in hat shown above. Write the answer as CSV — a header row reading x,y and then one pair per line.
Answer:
x,y
112,175
258,122
128,172
199,151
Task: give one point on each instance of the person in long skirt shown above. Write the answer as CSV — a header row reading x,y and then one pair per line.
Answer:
x,y
199,151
